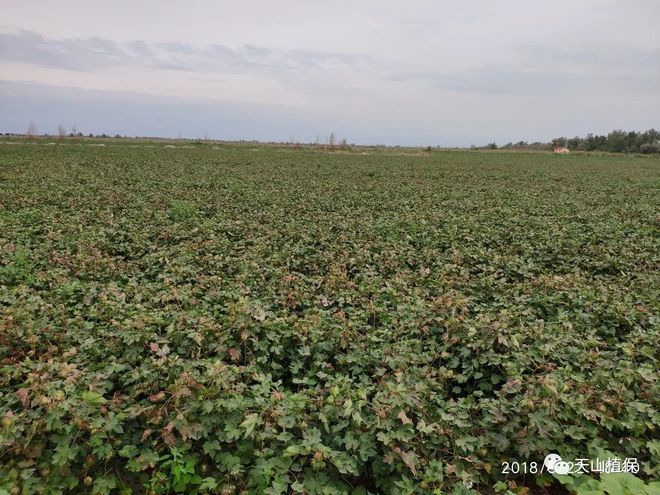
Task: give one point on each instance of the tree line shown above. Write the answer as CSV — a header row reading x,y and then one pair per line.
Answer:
x,y
617,141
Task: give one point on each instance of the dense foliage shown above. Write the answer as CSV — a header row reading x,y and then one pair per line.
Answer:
x,y
263,320
616,142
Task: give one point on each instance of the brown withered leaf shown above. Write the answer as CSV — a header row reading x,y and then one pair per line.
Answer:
x,y
404,418
277,395
24,397
409,458
159,397
182,392
235,354
192,430
190,381
167,434
145,435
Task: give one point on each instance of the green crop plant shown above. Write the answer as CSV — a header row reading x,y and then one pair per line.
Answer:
x,y
370,321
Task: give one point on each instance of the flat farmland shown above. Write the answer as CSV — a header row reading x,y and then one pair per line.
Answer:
x,y
262,319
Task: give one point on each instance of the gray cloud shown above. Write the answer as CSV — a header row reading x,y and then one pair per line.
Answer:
x,y
30,47
87,54
541,68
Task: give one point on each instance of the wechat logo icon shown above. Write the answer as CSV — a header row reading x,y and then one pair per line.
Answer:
x,y
555,465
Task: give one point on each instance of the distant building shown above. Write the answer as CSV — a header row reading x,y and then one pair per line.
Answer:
x,y
561,149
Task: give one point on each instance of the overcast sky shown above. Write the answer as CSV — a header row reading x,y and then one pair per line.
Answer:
x,y
437,72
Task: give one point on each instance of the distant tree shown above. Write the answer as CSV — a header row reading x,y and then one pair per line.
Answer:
x,y
559,142
331,139
61,131
600,143
492,146
617,141
589,143
573,143
32,130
